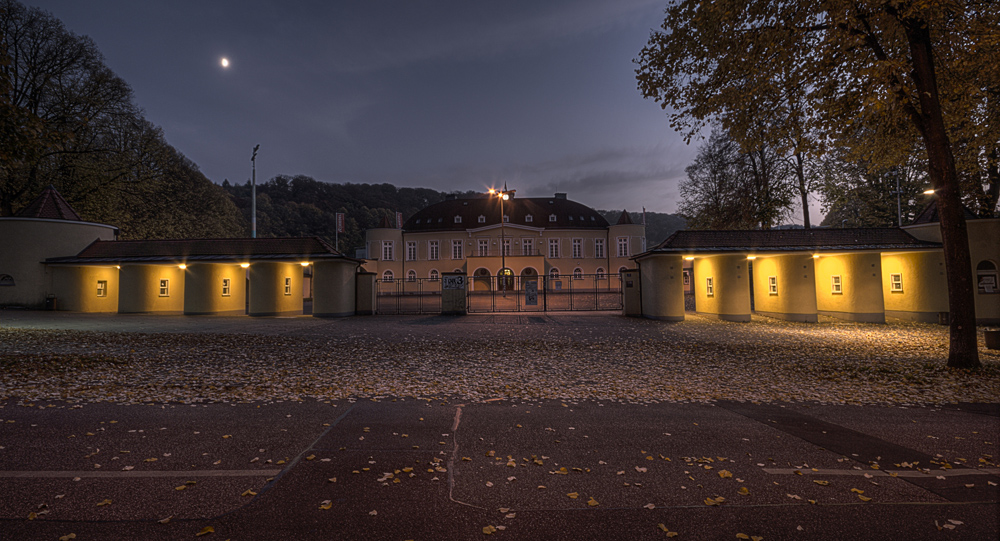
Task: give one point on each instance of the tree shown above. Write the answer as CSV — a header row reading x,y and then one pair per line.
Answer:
x,y
925,69
855,194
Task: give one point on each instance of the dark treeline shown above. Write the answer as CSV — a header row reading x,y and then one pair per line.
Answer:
x,y
303,206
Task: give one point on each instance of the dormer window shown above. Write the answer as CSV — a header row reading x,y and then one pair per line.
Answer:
x,y
482,219
527,218
592,219
458,219
552,217
418,220
571,218
440,220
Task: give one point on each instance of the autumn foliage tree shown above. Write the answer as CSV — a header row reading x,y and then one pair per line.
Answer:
x,y
905,70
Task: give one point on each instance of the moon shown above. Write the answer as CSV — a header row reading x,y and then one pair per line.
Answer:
x,y
225,62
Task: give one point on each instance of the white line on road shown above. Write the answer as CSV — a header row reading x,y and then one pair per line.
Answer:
x,y
885,473
127,474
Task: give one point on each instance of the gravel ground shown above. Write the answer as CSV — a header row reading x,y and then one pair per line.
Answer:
x,y
603,358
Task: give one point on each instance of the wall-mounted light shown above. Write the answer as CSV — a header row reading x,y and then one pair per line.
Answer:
x,y
119,267
815,256
182,266
245,265
305,263
928,192
751,257
689,258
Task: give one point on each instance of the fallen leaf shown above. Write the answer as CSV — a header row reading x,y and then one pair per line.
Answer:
x,y
105,502
592,502
248,492
864,498
725,474
573,495
67,537
205,531
182,487
326,504
310,457
650,506
822,483
165,520
743,491
373,512
488,530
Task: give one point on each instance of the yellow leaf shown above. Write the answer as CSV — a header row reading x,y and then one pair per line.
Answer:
x,y
592,502
227,436
864,498
822,483
756,538
742,536
32,516
67,537
150,460
310,457
466,459
725,474
105,502
488,530
326,504
205,531
248,492
573,495
857,491
182,487
743,491
165,520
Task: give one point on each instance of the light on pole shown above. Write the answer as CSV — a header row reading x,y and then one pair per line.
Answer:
x,y
253,196
899,204
503,195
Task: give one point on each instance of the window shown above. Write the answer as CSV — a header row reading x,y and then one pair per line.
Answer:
x,y
102,288
484,247
554,273
387,276
458,219
506,219
642,242
411,250
622,246
687,277
482,219
434,275
836,287
164,288
552,217
226,287
387,250
433,250
527,247
411,275
456,249
553,248
710,286
506,247
621,270
599,273
288,286
599,248
896,283
578,273
577,248
772,285
528,218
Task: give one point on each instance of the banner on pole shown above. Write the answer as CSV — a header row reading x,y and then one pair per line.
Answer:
x,y
340,222
399,220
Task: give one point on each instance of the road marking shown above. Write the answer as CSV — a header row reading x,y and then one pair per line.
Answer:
x,y
885,473
127,474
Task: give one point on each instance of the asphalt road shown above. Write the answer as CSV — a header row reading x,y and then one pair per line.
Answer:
x,y
267,470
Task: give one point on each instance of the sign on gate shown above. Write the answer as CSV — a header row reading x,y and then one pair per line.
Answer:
x,y
531,293
453,282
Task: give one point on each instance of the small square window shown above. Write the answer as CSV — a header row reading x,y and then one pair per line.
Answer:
x,y
226,287
528,218
552,217
772,285
102,288
836,286
458,219
164,288
288,286
710,286
687,278
482,219
896,283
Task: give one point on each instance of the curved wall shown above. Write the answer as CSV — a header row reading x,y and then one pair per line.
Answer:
x,y
268,292
662,287
139,289
76,288
731,283
334,288
795,295
860,296
203,289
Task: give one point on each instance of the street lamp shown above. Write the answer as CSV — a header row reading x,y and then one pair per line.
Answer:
x,y
503,195
253,197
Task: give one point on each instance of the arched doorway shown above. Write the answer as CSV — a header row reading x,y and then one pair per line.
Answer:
x,y
505,280
481,279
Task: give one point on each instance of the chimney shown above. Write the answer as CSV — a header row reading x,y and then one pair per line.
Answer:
x,y
560,196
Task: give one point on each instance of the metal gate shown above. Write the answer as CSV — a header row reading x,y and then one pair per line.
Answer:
x,y
580,292
408,296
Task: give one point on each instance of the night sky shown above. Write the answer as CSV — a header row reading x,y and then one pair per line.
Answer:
x,y
459,95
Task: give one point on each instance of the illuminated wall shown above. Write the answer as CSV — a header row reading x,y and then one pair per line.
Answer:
x,y
76,288
860,293
662,287
784,287
204,293
269,294
140,289
730,295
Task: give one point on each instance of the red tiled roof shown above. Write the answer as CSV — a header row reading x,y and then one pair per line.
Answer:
x,y
241,249
50,205
791,240
568,214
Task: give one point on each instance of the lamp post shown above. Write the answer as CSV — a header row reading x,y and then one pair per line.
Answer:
x,y
253,197
503,195
899,204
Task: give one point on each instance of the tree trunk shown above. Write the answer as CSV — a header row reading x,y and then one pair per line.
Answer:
x,y
963,351
803,192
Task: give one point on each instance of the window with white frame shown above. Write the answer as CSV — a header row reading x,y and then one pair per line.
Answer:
x,y
411,250
836,285
484,247
687,277
433,250
552,217
506,246
772,285
577,248
710,286
642,242
553,273
528,218
102,288
288,286
458,219
599,273
411,275
164,288
387,276
506,219
578,273
434,275
599,248
387,254
482,219
527,246
621,270
226,287
896,283
456,249
553,248
622,246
